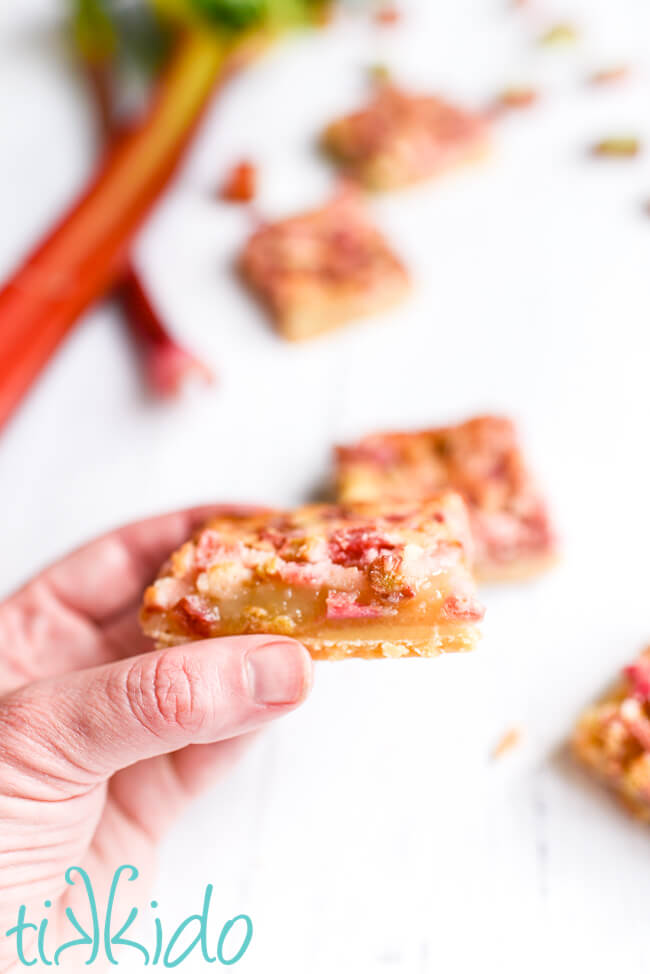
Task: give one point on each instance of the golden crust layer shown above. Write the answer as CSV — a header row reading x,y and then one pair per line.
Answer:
x,y
437,644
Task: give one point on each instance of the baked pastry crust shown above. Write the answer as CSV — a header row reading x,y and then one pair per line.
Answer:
x,y
401,138
612,738
482,460
318,270
364,580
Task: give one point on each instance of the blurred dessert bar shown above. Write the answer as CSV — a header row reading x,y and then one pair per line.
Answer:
x,y
320,269
482,460
366,580
612,737
401,138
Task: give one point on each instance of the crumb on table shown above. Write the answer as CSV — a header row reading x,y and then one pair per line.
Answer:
x,y
507,742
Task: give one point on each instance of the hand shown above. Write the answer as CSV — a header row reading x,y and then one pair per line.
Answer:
x,y
101,749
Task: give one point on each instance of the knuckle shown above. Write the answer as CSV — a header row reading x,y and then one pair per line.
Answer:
x,y
16,726
14,717
164,691
33,744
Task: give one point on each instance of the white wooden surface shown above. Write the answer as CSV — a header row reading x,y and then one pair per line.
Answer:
x,y
370,832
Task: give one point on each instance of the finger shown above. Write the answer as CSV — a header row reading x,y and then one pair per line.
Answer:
x,y
108,574
169,782
77,730
124,635
61,606
198,766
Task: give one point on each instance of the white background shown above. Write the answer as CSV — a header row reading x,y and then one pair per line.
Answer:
x,y
371,832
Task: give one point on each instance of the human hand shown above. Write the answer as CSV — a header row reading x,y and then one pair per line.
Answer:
x,y
101,748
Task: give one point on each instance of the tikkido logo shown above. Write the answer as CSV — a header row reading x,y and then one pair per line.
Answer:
x,y
100,939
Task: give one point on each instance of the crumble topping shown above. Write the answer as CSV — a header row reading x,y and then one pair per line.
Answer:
x,y
481,459
400,138
613,737
277,571
197,613
358,546
462,607
638,676
320,268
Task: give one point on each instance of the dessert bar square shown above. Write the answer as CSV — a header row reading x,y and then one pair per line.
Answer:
x,y
318,270
401,138
612,737
482,460
366,580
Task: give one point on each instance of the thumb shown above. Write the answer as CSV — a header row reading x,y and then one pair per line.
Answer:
x,y
79,729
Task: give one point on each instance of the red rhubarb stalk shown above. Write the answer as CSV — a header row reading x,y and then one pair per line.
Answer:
x,y
165,362
87,252
240,185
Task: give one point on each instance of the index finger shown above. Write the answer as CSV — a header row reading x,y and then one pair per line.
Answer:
x,y
108,575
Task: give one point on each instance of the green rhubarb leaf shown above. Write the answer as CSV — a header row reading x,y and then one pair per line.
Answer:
x,y
236,15
145,41
232,14
122,35
94,32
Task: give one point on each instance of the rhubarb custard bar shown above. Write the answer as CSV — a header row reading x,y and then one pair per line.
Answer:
x,y
612,737
482,460
366,580
318,270
401,138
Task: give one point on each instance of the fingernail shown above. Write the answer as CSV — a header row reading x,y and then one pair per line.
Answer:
x,y
276,673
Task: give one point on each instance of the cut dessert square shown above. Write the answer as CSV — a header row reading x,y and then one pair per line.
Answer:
x,y
482,460
401,138
318,270
612,737
367,580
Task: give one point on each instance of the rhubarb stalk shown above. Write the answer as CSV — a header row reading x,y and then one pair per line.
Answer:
x,y
88,250
165,362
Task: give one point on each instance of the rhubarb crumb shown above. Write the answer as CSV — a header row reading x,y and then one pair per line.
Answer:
x,y
607,76
241,183
521,96
388,15
380,74
558,35
507,742
618,147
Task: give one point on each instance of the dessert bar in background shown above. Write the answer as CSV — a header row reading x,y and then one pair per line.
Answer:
x,y
402,138
320,269
482,460
612,737
366,580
